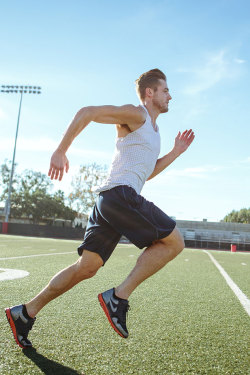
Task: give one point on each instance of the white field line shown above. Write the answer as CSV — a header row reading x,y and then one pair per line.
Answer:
x,y
39,255
239,294
7,237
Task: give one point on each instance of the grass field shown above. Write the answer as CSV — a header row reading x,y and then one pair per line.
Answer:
x,y
183,320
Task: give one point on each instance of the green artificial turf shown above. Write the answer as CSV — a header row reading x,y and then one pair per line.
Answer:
x,y
237,265
183,320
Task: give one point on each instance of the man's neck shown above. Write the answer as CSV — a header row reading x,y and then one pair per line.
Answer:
x,y
153,112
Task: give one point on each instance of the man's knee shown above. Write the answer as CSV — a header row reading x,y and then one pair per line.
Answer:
x,y
175,241
180,244
86,272
88,265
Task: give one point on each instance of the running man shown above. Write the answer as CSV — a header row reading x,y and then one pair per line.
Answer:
x,y
119,208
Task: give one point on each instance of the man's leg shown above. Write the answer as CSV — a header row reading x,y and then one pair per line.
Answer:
x,y
150,261
85,267
22,317
114,301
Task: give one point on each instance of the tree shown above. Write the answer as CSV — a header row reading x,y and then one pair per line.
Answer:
x,y
31,197
82,197
5,169
38,206
241,216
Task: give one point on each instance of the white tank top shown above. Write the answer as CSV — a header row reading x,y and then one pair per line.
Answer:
x,y
134,158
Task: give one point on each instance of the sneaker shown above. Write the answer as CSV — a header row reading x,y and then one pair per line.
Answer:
x,y
116,310
20,325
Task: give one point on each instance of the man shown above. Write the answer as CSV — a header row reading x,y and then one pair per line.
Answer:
x,y
119,209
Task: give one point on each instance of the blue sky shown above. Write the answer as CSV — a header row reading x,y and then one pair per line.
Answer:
x,y
90,53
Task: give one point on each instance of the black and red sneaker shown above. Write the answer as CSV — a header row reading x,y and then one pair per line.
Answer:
x,y
20,325
116,310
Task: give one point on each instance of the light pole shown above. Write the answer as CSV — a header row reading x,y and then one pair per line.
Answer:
x,y
10,89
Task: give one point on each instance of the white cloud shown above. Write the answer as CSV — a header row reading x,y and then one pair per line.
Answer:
x,y
239,61
187,172
175,176
198,172
46,144
218,66
246,161
28,144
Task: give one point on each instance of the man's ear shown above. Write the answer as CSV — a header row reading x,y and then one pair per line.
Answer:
x,y
149,92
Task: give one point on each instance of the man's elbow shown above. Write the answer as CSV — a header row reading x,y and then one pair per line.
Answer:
x,y
85,114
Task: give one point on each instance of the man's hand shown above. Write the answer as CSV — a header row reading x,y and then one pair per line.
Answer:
x,y
183,141
58,163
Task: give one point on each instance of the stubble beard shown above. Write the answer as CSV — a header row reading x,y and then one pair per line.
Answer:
x,y
160,107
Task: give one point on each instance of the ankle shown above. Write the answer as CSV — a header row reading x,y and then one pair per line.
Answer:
x,y
121,293
29,311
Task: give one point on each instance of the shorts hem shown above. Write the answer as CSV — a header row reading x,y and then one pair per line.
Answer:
x,y
167,233
160,237
82,248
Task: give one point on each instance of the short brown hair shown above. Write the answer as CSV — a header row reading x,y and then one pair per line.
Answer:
x,y
148,79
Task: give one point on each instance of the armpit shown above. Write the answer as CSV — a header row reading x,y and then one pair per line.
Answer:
x,y
123,130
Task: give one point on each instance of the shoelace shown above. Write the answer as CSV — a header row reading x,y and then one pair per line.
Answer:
x,y
29,326
126,308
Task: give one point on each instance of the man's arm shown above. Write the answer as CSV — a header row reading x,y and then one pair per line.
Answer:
x,y
128,114
182,142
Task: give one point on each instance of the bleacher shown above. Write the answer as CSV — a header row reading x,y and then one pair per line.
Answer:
x,y
213,235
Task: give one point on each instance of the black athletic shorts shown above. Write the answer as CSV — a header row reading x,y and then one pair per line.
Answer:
x,y
121,211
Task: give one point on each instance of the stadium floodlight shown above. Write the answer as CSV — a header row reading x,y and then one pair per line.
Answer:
x,y
16,89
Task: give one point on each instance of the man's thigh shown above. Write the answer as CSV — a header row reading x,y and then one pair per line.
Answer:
x,y
175,239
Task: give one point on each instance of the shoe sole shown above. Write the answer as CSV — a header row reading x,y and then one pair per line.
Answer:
x,y
13,328
104,307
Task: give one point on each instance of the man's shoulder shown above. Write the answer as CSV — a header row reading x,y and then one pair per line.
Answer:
x,y
138,113
134,108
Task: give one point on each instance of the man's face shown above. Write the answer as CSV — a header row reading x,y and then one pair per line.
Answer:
x,y
161,97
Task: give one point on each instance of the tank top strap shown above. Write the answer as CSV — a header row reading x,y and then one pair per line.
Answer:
x,y
148,122
145,109
156,128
